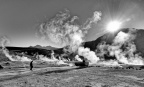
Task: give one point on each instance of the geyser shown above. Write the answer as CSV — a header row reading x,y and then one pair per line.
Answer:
x,y
64,30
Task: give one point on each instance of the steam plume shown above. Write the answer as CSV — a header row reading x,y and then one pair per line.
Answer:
x,y
89,55
4,41
63,29
123,48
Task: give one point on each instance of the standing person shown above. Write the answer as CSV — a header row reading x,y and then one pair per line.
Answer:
x,y
31,65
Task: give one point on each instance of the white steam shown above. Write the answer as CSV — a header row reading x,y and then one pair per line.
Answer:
x,y
109,63
89,55
13,57
63,29
6,52
123,49
4,41
78,58
21,56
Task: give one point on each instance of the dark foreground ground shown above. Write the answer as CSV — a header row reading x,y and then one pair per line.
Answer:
x,y
67,76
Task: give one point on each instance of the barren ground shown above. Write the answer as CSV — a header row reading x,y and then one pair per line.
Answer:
x,y
67,76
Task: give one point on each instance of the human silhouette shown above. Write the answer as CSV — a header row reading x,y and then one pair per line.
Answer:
x,y
31,65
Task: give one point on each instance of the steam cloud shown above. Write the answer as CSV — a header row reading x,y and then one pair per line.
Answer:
x,y
89,55
63,29
123,49
13,57
4,40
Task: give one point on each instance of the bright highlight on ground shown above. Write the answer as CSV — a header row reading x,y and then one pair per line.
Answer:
x,y
113,26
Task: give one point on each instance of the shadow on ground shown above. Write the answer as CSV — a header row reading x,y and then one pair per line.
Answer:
x,y
60,71
38,73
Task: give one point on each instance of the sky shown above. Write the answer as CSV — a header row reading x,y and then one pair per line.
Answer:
x,y
19,19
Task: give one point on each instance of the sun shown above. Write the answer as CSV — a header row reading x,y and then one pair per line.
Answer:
x,y
113,26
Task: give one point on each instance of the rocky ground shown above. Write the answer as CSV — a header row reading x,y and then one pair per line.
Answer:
x,y
67,76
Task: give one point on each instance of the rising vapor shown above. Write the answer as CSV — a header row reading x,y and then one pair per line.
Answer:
x,y
4,40
63,29
123,49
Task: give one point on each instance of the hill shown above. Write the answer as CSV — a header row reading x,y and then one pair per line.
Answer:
x,y
109,37
44,47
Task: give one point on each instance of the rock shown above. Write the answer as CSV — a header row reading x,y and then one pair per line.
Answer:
x,y
86,63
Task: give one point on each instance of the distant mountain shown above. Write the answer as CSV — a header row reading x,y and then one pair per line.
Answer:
x,y
44,47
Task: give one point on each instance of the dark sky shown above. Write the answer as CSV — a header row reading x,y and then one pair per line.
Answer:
x,y
20,18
